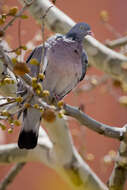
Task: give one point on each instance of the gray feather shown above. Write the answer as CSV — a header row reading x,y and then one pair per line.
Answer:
x,y
29,133
36,54
84,64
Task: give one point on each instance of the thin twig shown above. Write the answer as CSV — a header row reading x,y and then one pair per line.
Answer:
x,y
19,32
16,16
7,103
12,51
40,69
19,38
11,175
116,43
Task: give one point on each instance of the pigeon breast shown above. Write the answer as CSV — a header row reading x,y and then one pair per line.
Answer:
x,y
64,67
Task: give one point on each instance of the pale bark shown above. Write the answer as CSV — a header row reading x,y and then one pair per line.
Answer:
x,y
60,155
11,175
117,43
119,173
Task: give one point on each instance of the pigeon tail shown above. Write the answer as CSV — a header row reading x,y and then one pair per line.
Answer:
x,y
29,133
27,139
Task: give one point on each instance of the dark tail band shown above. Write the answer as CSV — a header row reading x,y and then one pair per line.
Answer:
x,y
27,139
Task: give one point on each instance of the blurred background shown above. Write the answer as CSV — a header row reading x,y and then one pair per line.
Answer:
x,y
97,95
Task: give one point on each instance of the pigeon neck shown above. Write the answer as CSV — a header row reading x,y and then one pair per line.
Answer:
x,y
74,37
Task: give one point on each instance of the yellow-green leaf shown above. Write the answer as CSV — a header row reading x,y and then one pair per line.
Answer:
x,y
34,61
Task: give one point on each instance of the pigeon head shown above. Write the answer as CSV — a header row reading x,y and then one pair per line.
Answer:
x,y
79,31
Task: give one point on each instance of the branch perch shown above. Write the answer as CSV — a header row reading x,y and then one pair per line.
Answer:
x,y
61,156
113,132
117,43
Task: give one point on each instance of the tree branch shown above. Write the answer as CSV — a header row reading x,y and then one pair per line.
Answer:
x,y
106,130
119,173
116,43
11,175
27,4
66,159
5,63
10,153
60,136
61,156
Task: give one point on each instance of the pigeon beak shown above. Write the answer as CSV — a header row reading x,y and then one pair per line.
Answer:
x,y
90,33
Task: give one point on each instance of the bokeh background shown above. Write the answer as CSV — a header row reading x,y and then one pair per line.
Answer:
x,y
101,103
